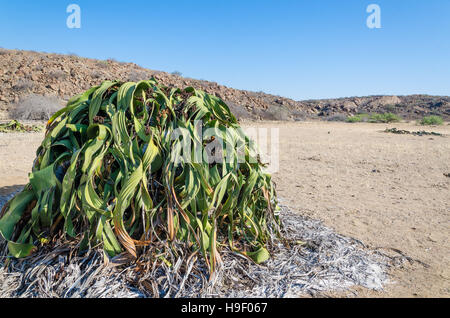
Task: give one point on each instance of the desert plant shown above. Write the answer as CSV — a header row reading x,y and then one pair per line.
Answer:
x,y
36,107
432,120
96,74
384,118
137,75
57,75
24,84
357,118
113,171
102,64
177,73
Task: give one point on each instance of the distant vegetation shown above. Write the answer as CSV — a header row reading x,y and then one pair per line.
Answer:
x,y
384,118
432,120
36,107
357,118
374,118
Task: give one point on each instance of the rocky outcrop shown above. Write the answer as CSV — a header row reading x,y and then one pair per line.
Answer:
x,y
23,73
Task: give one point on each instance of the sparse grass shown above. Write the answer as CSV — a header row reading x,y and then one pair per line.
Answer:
x,y
36,107
38,68
432,120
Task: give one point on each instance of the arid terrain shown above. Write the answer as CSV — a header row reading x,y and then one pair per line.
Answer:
x,y
388,191
25,73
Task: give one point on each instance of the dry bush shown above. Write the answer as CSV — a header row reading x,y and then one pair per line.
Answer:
x,y
136,76
432,120
96,74
24,84
36,107
57,75
38,68
102,64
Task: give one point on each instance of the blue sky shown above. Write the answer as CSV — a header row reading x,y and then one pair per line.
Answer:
x,y
298,49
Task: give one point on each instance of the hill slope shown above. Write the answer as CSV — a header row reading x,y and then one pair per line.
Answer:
x,y
23,73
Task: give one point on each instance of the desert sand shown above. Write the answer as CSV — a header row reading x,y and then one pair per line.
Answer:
x,y
388,191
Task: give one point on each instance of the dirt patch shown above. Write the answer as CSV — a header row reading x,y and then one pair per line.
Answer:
x,y
386,190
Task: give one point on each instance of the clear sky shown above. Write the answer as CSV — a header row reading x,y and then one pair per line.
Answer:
x,y
298,49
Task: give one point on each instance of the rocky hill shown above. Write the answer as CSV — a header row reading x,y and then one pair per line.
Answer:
x,y
24,73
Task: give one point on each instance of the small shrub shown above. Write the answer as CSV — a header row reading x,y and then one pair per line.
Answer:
x,y
357,118
24,85
176,73
57,75
384,118
136,76
38,68
432,120
36,107
96,74
390,108
102,64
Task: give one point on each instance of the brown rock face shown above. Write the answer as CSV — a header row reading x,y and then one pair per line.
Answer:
x,y
23,73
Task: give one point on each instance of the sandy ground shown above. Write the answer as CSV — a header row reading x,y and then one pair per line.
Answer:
x,y
388,191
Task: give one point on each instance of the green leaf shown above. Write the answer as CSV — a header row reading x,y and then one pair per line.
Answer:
x,y
260,256
14,213
20,250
